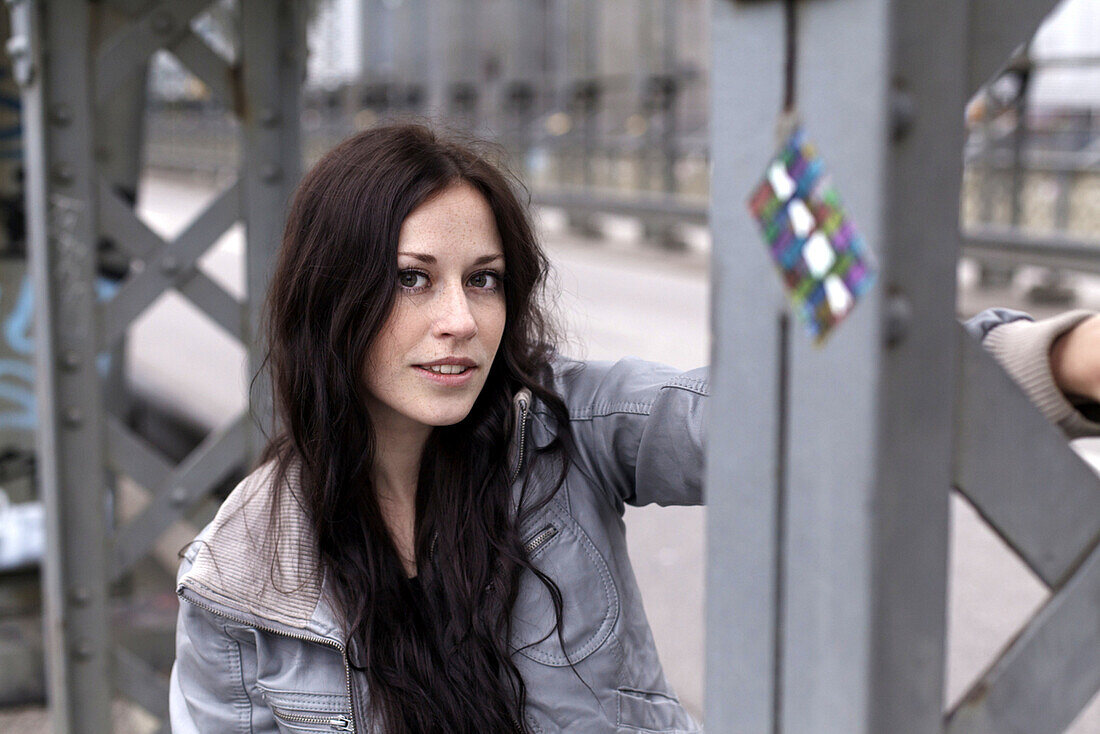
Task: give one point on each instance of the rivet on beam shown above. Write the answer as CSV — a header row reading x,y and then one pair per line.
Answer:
x,y
270,172
162,22
71,360
83,650
903,113
269,117
898,319
81,596
63,172
179,496
73,417
61,114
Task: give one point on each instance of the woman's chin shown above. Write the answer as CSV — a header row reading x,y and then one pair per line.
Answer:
x,y
448,418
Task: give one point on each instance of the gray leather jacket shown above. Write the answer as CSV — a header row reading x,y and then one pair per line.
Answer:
x,y
260,649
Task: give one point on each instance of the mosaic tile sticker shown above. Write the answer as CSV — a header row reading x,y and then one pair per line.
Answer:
x,y
824,263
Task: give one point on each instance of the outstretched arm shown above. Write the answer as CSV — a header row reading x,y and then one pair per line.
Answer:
x,y
1075,361
1056,361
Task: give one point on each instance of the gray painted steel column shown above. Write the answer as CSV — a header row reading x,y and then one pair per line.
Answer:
x,y
273,54
60,193
829,468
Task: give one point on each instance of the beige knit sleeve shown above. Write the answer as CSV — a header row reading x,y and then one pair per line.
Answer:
x,y
1023,348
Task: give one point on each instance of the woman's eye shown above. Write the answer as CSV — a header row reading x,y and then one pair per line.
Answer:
x,y
412,279
485,279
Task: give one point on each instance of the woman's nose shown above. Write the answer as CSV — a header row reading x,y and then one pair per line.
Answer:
x,y
453,316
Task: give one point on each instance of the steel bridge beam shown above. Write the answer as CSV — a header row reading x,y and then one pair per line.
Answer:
x,y
60,189
69,72
829,468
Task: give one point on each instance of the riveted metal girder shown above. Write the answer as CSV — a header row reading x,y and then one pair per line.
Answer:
x,y
73,201
61,224
273,56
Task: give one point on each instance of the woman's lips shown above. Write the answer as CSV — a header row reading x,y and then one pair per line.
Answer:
x,y
448,380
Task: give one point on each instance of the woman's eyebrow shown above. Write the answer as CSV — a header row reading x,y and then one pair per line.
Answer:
x,y
430,259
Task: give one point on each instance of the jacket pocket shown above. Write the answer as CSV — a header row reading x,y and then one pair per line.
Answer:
x,y
560,548
308,712
650,711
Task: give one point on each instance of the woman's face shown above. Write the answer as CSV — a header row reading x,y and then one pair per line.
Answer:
x,y
429,362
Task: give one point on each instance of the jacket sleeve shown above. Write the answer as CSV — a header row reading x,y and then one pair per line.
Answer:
x,y
207,692
1022,346
637,428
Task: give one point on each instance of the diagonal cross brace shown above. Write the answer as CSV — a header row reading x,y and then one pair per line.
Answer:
x,y
176,261
1048,674
140,682
220,453
131,455
996,30
1047,511
127,52
220,78
119,223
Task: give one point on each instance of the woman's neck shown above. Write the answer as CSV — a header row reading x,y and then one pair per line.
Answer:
x,y
394,478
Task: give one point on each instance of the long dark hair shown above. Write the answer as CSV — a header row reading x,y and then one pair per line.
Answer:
x,y
436,659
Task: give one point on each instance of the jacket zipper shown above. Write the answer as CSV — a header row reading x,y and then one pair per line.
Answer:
x,y
340,722
522,436
540,539
304,638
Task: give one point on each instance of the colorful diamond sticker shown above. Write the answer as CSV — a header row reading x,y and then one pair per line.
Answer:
x,y
822,260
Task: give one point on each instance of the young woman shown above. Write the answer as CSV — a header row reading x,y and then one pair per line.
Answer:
x,y
434,540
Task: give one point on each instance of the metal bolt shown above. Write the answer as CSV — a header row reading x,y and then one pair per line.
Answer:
x,y
71,359
137,265
63,172
162,22
270,172
179,496
81,596
169,265
269,117
898,318
61,114
74,416
903,113
83,650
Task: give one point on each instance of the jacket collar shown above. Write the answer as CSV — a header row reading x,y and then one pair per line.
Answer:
x,y
257,561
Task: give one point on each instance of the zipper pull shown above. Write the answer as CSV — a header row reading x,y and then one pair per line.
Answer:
x,y
340,723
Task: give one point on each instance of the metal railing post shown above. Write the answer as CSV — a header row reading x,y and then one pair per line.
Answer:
x,y
828,468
